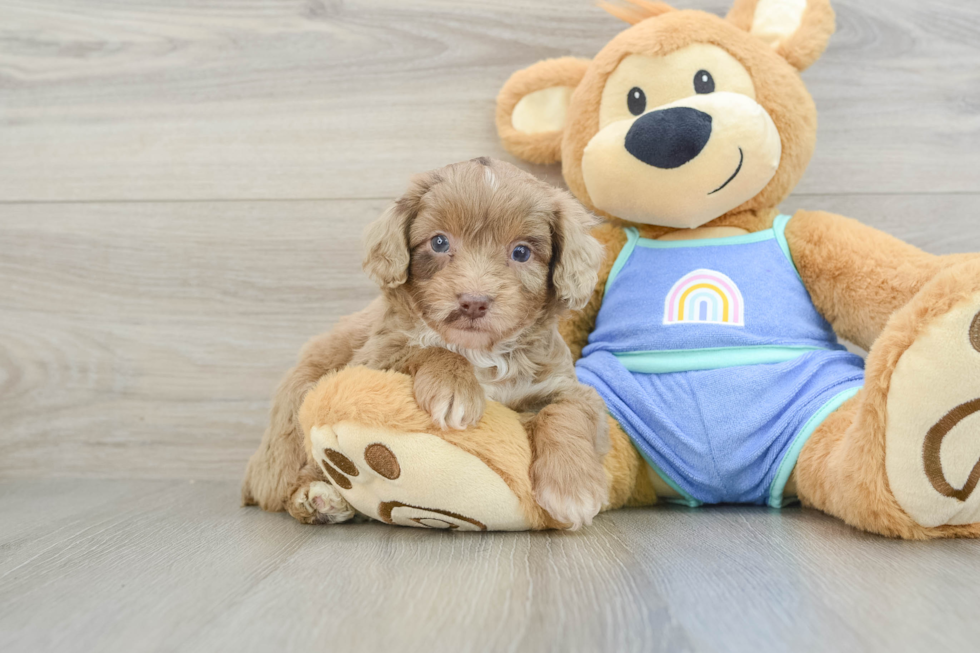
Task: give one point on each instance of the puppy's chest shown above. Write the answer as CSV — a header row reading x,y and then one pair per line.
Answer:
x,y
521,394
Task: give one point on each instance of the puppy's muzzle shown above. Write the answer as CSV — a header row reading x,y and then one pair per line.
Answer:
x,y
669,138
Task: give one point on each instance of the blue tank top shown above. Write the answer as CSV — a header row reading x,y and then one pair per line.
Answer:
x,y
676,306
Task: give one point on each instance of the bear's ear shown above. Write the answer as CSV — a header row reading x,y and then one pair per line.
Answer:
x,y
531,108
798,30
636,11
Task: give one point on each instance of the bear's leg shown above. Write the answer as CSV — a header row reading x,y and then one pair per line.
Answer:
x,y
902,457
386,458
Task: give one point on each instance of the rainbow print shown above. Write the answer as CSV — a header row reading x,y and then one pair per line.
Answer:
x,y
704,297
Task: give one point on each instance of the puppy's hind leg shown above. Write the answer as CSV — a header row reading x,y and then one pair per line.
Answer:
x,y
313,500
274,469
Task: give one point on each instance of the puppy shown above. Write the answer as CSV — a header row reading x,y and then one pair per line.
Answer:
x,y
477,263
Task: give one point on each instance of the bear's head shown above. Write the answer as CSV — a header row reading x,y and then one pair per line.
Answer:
x,y
683,119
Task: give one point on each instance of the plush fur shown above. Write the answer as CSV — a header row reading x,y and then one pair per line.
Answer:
x,y
637,11
858,276
875,290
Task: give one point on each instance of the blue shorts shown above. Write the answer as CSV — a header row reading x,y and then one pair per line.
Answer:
x,y
729,435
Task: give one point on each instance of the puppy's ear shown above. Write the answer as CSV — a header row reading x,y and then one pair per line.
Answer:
x,y
577,255
386,246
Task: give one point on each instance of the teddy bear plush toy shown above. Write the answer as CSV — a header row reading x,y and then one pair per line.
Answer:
x,y
712,334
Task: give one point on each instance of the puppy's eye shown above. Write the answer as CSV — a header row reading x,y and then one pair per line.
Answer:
x,y
439,243
703,82
521,253
636,100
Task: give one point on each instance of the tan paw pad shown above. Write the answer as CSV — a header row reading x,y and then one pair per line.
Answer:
x,y
932,435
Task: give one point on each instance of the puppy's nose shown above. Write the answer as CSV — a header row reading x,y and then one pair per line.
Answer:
x,y
474,306
669,138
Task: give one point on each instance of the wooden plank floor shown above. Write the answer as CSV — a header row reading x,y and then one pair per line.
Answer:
x,y
174,566
182,190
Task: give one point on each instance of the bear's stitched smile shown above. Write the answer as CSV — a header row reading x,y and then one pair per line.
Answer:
x,y
741,159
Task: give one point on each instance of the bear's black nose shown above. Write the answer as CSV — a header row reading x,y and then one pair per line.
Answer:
x,y
669,138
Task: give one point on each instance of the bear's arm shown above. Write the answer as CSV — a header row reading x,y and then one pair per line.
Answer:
x,y
858,276
576,327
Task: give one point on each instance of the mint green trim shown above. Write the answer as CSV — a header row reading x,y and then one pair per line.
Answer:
x,y
776,499
685,498
779,230
632,235
755,237
711,358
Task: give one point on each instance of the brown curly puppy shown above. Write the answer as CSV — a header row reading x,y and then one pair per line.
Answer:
x,y
477,262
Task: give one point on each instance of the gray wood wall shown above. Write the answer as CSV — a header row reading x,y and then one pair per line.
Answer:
x,y
183,185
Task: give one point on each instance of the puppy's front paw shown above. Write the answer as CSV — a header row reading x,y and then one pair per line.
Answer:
x,y
455,402
571,491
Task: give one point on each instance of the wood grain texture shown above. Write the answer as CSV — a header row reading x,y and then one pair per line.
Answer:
x,y
135,566
281,99
146,339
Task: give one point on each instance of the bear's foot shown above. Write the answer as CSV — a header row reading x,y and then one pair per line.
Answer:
x,y
932,434
413,479
902,457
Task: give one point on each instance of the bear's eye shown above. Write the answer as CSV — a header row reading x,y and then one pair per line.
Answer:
x,y
521,253
636,100
439,243
703,82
